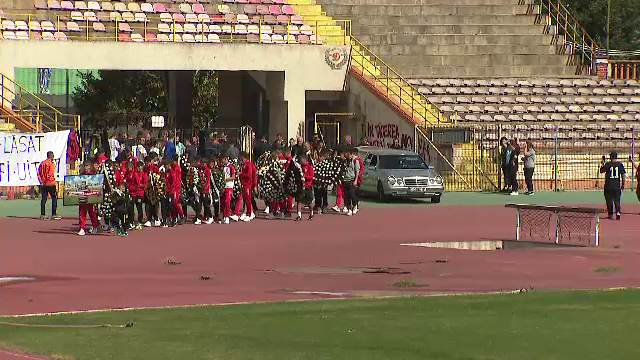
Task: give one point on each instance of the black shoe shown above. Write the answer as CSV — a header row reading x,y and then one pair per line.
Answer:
x,y
310,216
298,218
618,216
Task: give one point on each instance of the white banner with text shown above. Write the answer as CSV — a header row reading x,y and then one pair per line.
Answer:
x,y
22,153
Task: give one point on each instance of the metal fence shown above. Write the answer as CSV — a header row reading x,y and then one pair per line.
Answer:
x,y
568,155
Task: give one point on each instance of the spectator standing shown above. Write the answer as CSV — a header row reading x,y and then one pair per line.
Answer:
x,y
513,165
345,146
47,179
278,144
298,148
505,153
261,147
170,148
396,144
114,147
232,151
613,184
529,162
180,147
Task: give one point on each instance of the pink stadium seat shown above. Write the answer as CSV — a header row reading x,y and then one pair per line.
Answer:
x,y
73,26
279,29
277,39
217,18
199,9
306,30
242,1
35,26
151,37
48,36
266,29
140,17
107,6
164,28
287,9
267,2
124,27
249,9
282,19
203,18
202,28
121,7
227,29
175,37
215,29
133,7
53,4
159,8
214,38
188,38
262,9
21,25
243,19
36,36
129,17
296,19
90,16
48,26
99,27
240,29
265,38
270,19
146,7
201,38
178,18
253,29
39,4
137,38
274,10
255,2
230,18
77,16
115,16
60,36
9,35
185,8
294,30
163,37
177,28
124,37
290,39
67,5
278,2
93,5
166,17
190,28
8,25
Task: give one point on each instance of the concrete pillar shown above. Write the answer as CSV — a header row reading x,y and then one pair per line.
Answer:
x,y
277,104
286,96
230,99
179,85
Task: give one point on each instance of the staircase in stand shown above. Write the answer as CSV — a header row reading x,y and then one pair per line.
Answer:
x,y
23,111
372,71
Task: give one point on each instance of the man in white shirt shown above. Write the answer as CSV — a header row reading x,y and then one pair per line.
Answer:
x,y
114,146
229,179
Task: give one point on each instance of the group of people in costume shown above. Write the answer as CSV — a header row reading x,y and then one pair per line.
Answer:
x,y
159,191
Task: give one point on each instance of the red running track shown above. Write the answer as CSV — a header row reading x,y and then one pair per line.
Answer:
x,y
103,271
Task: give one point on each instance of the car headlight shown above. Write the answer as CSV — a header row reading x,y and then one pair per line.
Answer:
x,y
391,180
399,181
438,180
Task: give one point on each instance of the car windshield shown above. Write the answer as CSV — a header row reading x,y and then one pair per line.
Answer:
x,y
401,162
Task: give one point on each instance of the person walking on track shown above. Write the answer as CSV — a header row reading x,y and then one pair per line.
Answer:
x,y
613,183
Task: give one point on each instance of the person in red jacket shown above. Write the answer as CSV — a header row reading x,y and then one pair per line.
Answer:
x,y
119,173
174,183
47,179
248,180
136,179
225,200
83,209
101,158
304,195
205,197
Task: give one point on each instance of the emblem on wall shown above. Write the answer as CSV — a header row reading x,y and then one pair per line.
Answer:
x,y
336,58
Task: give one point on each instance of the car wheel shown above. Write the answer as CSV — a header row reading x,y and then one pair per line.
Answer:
x,y
435,199
380,193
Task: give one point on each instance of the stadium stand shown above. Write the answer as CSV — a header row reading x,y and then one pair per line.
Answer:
x,y
268,21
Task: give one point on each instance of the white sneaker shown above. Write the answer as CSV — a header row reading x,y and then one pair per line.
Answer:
x,y
233,217
355,210
243,217
197,222
147,224
253,216
336,209
344,209
157,223
81,232
515,193
266,210
246,219
225,221
349,212
209,221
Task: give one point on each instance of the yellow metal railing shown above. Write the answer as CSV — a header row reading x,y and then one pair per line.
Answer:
x,y
395,86
32,109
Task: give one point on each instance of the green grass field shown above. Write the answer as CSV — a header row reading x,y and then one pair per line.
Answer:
x,y
533,325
